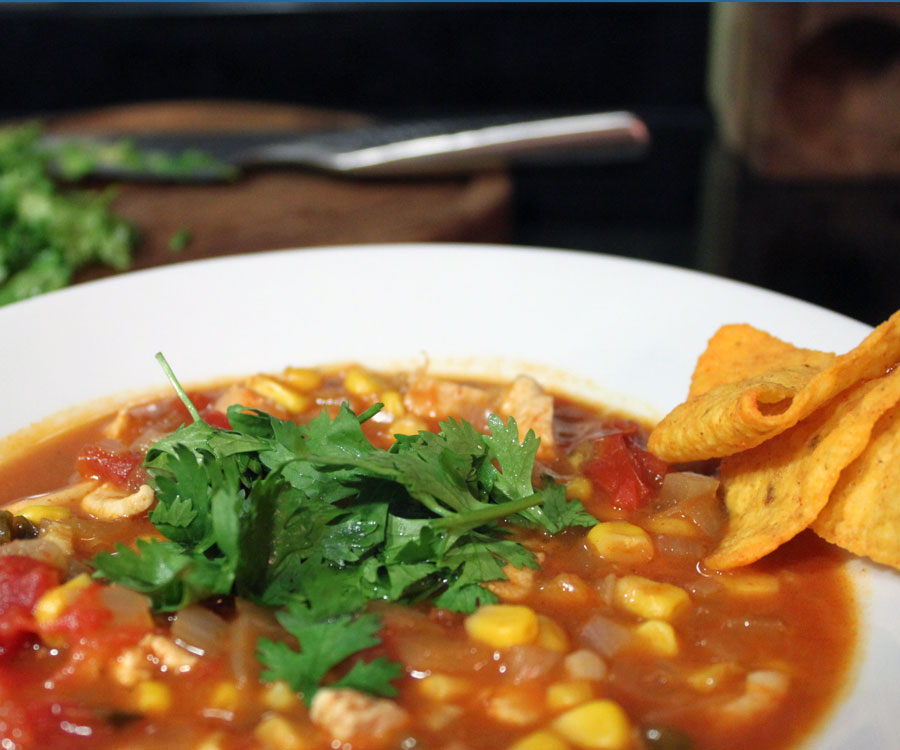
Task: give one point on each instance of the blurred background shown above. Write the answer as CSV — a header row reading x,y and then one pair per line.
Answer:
x,y
775,129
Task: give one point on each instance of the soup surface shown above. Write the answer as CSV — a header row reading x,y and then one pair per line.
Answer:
x,y
589,623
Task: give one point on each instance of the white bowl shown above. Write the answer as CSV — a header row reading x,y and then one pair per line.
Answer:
x,y
625,331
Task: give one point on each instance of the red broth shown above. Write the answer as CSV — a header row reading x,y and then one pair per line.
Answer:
x,y
749,659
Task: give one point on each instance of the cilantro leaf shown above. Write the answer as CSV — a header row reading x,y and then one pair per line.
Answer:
x,y
162,571
323,645
516,460
372,677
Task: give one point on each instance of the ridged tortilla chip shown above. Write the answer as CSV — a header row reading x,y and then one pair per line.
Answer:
x,y
863,513
774,491
734,417
739,352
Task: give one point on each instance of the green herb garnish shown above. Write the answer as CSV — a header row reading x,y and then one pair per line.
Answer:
x,y
76,159
46,233
180,239
316,521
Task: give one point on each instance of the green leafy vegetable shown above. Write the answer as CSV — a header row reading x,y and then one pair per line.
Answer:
x,y
47,233
315,520
180,239
77,158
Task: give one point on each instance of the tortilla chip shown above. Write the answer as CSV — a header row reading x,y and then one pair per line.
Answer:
x,y
863,513
734,417
777,489
739,352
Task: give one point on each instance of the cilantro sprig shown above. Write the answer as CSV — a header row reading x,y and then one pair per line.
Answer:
x,y
316,521
47,232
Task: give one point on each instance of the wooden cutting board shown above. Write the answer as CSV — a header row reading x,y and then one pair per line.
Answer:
x,y
282,208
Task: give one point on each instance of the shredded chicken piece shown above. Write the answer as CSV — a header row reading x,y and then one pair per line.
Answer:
x,y
763,690
170,655
108,502
526,402
131,667
513,707
241,395
519,584
116,429
347,714
438,399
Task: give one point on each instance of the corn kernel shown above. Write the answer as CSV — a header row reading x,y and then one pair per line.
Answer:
x,y
443,687
225,696
580,488
551,636
279,697
37,513
303,378
598,725
393,403
750,584
277,733
658,636
582,452
285,397
707,679
407,426
670,526
568,694
651,599
502,625
620,541
214,741
360,383
57,600
541,740
152,697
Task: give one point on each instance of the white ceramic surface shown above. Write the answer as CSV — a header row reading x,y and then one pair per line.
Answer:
x,y
633,328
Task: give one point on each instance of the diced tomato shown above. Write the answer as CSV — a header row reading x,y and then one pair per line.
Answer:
x,y
16,625
55,725
121,468
653,468
85,615
23,581
215,418
624,471
198,399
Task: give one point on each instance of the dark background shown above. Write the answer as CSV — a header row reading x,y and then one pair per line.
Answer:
x,y
688,203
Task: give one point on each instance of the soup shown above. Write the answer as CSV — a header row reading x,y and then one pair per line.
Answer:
x,y
283,564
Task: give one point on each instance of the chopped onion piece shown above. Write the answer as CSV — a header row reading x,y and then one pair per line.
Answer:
x,y
605,635
680,545
524,663
128,607
251,624
679,486
199,629
585,664
694,497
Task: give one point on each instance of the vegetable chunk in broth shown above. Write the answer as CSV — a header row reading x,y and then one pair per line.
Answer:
x,y
340,558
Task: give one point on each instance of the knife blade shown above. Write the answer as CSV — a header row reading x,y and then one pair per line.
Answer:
x,y
392,149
